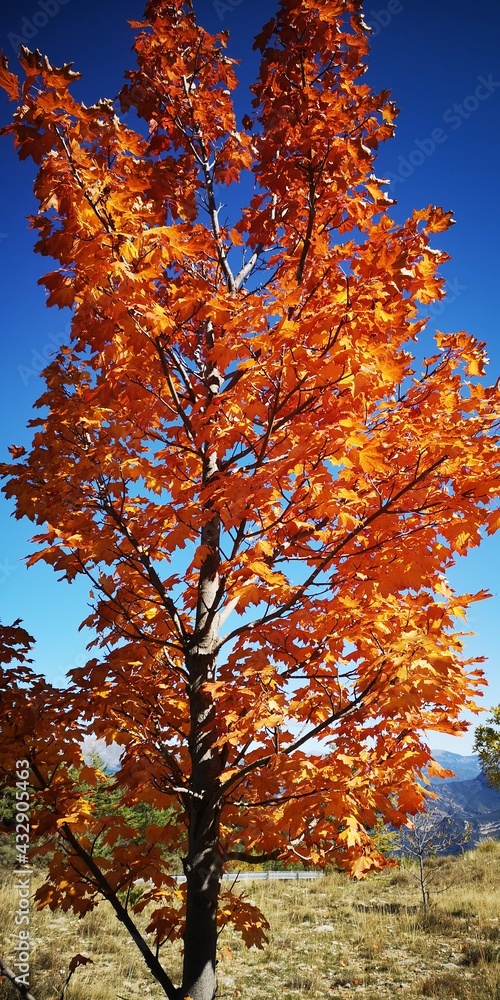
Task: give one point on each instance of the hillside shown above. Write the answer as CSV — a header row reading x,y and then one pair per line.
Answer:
x,y
473,802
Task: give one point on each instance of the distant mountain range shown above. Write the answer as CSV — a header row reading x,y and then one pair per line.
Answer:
x,y
467,796
464,768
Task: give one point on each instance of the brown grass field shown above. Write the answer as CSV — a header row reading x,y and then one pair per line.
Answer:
x,y
332,938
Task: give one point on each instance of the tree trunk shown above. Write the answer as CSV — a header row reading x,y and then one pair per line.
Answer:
x,y
423,886
203,865
200,939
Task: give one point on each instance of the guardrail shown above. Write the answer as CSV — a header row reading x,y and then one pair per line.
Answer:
x,y
291,876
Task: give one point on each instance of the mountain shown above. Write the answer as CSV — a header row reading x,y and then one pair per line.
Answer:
x,y
464,768
467,797
472,802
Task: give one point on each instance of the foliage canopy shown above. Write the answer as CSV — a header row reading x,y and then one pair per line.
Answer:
x,y
487,747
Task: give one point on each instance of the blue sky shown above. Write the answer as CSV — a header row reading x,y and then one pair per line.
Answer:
x,y
442,64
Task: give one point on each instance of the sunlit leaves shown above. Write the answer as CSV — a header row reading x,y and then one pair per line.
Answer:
x,y
8,80
237,909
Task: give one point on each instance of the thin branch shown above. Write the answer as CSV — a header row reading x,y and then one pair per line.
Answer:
x,y
329,557
340,713
251,859
275,800
247,268
207,171
106,890
23,990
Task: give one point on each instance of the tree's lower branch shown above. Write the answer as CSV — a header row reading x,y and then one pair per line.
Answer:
x,y
327,560
251,859
123,916
340,713
105,889
23,990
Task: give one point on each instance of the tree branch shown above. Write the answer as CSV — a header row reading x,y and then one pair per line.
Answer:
x,y
247,268
23,990
251,859
105,889
328,558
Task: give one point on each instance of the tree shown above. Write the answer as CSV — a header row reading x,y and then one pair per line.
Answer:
x,y
432,833
487,747
239,450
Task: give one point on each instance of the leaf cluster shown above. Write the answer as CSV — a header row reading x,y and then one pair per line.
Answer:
x,y
487,747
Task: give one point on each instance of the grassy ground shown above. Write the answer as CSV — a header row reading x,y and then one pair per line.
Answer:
x,y
331,938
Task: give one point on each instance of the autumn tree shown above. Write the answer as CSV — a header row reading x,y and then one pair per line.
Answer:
x,y
487,747
240,452
431,835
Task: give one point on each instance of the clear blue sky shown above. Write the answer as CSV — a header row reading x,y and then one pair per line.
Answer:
x,y
441,62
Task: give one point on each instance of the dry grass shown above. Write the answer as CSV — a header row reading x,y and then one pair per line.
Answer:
x,y
332,938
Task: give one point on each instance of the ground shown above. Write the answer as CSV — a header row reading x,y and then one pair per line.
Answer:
x,y
331,938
